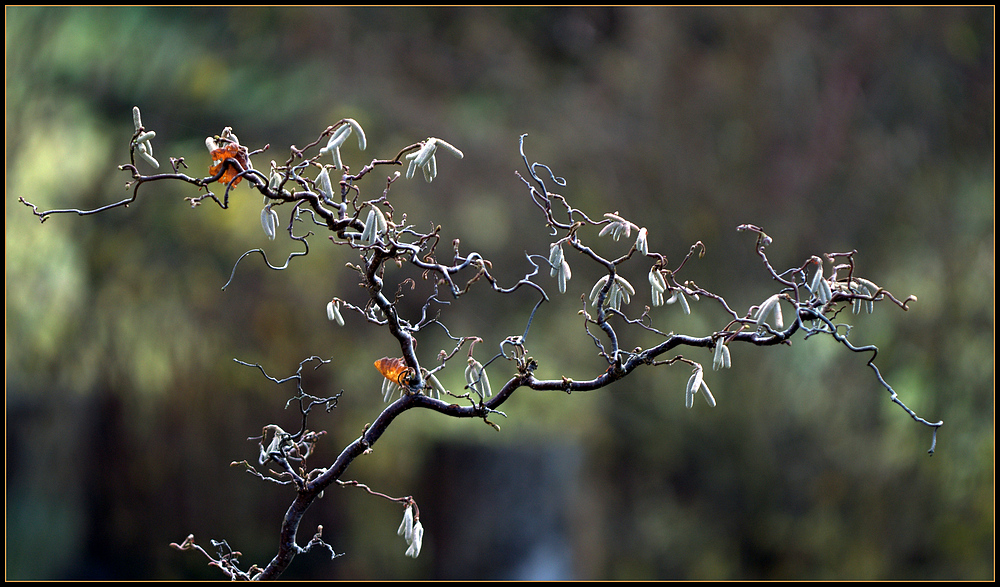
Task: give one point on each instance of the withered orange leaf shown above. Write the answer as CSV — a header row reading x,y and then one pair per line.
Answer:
x,y
221,155
394,369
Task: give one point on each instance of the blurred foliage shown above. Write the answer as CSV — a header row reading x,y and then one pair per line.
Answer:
x,y
834,129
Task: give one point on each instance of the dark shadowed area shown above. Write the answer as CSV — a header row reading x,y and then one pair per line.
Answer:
x,y
833,129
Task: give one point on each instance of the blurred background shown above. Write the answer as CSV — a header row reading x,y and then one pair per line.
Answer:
x,y
833,129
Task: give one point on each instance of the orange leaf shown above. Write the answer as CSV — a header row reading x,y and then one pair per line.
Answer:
x,y
223,154
393,369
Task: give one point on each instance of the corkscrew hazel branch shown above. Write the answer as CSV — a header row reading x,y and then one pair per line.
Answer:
x,y
384,242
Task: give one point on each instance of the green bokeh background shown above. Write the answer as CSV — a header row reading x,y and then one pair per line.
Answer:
x,y
834,129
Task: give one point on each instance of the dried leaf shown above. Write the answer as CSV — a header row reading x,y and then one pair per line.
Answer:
x,y
221,155
394,369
